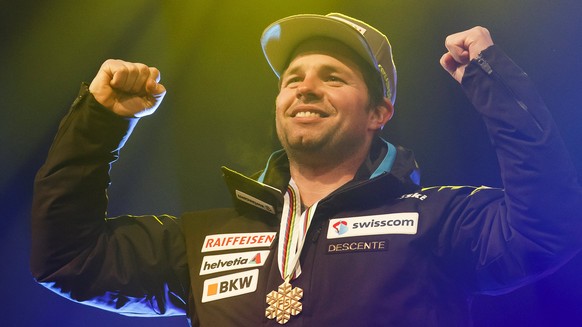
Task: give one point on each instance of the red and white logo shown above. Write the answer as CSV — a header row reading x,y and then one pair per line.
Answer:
x,y
391,223
341,227
217,263
234,241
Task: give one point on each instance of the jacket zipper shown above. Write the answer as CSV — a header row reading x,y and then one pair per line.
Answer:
x,y
486,67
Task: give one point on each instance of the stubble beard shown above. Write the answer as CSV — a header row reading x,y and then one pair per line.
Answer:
x,y
317,152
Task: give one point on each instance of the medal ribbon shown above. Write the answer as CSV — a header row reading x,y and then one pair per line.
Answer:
x,y
292,232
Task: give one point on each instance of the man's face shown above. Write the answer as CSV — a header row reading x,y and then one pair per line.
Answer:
x,y
323,104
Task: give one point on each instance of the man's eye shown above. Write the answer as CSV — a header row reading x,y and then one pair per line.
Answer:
x,y
292,80
335,79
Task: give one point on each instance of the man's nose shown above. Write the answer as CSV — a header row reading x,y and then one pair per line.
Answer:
x,y
309,88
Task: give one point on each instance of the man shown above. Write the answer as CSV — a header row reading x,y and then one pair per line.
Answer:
x,y
336,230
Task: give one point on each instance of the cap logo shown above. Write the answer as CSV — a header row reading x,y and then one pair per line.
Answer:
x,y
386,81
357,27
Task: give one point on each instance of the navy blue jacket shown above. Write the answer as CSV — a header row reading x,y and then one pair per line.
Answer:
x,y
381,250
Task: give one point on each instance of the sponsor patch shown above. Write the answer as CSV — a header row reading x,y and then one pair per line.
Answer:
x,y
419,196
220,242
362,246
254,201
230,285
393,223
216,263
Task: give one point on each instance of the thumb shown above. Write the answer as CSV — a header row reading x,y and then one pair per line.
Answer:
x,y
452,66
448,62
153,85
154,88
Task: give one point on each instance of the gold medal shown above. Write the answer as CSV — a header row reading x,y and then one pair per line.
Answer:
x,y
284,303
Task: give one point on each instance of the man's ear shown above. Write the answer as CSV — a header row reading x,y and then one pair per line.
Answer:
x,y
381,114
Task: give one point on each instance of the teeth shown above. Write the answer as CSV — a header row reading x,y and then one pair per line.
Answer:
x,y
307,114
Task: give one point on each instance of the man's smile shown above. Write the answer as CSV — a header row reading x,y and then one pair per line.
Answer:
x,y
307,111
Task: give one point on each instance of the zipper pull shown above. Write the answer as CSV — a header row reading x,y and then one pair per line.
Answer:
x,y
483,64
316,236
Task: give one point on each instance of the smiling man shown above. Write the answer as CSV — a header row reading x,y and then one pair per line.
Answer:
x,y
336,229
326,119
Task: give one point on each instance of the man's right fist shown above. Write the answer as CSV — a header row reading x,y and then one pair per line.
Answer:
x,y
128,89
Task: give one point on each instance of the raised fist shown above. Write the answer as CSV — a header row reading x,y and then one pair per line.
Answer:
x,y
128,89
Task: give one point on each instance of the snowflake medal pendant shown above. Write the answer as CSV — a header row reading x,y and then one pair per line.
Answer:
x,y
284,303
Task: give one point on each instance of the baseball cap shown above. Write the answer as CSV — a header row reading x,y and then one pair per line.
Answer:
x,y
282,37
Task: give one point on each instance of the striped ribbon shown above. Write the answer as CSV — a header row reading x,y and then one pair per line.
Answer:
x,y
294,226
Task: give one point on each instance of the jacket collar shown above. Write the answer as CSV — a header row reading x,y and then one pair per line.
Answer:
x,y
389,171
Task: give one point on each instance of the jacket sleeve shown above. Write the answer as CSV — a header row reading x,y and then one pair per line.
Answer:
x,y
132,265
535,225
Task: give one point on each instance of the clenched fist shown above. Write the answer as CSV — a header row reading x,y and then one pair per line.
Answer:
x,y
462,48
128,89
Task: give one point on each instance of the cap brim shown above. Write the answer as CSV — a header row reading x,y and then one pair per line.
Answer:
x,y
281,38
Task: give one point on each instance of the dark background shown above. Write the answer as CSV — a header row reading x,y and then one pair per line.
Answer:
x,y
219,111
